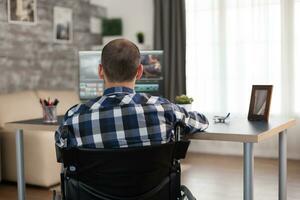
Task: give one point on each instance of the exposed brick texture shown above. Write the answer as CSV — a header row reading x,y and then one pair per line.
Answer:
x,y
29,57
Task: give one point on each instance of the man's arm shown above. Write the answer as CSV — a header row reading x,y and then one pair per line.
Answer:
x,y
192,121
62,133
60,142
61,136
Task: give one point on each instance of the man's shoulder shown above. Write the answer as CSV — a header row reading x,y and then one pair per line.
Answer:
x,y
133,99
81,107
144,98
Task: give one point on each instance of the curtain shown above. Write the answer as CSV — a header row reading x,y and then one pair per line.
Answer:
x,y
170,36
296,71
234,44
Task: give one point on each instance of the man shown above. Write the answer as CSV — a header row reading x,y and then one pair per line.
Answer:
x,y
121,117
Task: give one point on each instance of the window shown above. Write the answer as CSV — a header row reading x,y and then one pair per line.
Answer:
x,y
234,44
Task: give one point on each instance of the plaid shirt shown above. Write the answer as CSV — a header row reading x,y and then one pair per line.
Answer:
x,y
123,118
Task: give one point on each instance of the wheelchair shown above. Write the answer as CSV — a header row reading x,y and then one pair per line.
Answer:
x,y
138,173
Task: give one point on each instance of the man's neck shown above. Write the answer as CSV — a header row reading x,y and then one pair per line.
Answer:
x,y
122,84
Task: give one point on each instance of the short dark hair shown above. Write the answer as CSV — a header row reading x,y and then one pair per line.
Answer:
x,y
120,59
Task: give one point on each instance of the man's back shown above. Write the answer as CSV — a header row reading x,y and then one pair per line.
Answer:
x,y
123,118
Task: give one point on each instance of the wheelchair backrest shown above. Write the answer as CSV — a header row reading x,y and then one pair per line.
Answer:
x,y
124,172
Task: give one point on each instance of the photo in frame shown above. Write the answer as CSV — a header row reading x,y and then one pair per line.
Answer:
x,y
260,103
22,11
62,25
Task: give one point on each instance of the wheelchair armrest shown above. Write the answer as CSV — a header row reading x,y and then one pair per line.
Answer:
x,y
181,149
58,151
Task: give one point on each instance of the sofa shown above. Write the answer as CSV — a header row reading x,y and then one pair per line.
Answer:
x,y
41,168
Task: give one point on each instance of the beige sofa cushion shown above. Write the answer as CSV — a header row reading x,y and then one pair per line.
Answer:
x,y
67,98
41,167
19,106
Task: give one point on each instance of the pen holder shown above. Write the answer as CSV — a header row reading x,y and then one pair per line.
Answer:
x,y
49,114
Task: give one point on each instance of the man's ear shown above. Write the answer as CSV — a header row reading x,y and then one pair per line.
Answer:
x,y
139,73
101,72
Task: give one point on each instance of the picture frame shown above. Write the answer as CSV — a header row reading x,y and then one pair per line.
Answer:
x,y
22,12
62,25
260,102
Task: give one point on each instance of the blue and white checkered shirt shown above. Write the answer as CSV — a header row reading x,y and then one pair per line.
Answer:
x,y
123,118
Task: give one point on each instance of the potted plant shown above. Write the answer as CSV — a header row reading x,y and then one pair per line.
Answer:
x,y
112,27
184,101
140,37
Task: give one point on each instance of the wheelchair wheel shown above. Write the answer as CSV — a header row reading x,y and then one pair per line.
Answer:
x,y
56,195
186,194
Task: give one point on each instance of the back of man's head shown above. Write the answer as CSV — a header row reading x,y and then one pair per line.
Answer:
x,y
120,60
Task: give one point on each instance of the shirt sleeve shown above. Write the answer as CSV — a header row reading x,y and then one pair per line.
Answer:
x,y
60,136
62,133
192,121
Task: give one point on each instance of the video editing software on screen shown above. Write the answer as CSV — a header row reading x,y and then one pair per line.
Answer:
x,y
90,86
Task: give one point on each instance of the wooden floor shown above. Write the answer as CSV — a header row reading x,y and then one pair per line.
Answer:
x,y
212,177
8,191
209,177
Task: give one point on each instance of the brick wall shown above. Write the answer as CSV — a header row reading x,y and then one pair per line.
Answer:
x,y
30,59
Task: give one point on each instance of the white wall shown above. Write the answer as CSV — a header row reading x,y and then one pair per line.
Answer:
x,y
137,15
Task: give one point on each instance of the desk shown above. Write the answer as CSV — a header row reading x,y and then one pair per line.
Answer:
x,y
27,125
242,130
236,130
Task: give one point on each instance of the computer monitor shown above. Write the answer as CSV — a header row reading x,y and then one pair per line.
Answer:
x,y
151,82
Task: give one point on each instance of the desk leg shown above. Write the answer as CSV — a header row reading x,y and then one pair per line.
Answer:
x,y
248,171
20,164
282,195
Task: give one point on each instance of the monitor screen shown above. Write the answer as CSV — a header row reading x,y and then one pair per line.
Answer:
x,y
90,86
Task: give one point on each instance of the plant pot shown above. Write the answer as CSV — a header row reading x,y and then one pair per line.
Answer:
x,y
140,38
187,107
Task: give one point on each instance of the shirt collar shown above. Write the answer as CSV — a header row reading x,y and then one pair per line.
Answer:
x,y
114,90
